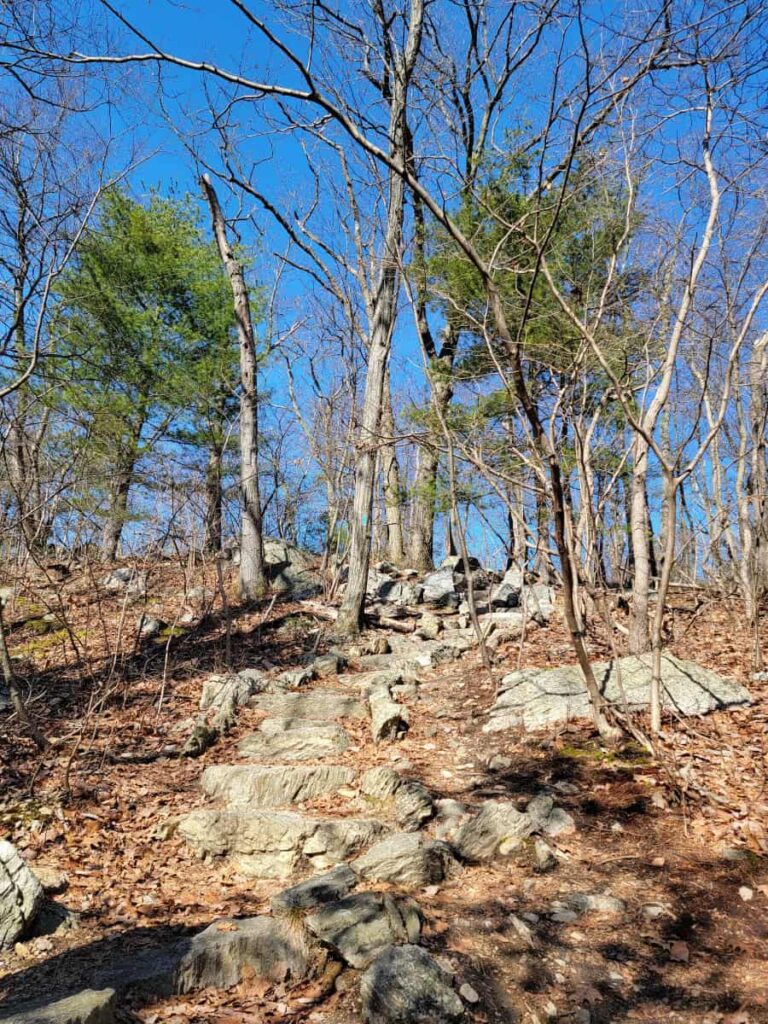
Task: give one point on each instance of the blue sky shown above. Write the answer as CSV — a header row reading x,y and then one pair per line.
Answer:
x,y
217,32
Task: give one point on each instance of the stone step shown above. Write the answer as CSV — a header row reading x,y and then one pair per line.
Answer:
x,y
318,705
276,844
256,786
292,739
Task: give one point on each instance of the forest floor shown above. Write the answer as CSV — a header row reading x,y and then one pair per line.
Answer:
x,y
682,839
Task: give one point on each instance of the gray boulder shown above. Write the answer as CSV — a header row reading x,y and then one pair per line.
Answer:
x,y
440,588
497,830
406,859
430,626
291,740
273,785
126,580
544,859
21,896
290,571
275,844
409,802
508,592
589,903
215,957
294,678
399,592
149,626
539,601
362,925
559,823
456,563
370,681
406,986
314,892
329,664
535,698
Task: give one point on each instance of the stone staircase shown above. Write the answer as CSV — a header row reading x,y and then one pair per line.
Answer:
x,y
385,828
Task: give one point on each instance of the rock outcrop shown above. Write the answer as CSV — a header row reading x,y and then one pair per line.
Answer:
x,y
535,698
319,705
21,895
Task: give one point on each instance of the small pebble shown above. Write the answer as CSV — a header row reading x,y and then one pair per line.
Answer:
x,y
565,917
468,994
652,911
746,893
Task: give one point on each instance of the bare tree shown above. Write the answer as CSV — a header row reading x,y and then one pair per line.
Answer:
x,y
253,581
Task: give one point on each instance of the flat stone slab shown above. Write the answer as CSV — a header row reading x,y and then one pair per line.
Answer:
x,y
275,844
534,698
320,705
273,785
361,926
291,739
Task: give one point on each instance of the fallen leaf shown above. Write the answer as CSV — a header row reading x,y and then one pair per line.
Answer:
x,y
679,952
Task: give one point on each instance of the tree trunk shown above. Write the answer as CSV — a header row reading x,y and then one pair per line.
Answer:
x,y
390,470
422,527
421,549
639,623
351,612
669,529
213,502
380,338
542,563
451,550
25,439
627,551
253,581
117,514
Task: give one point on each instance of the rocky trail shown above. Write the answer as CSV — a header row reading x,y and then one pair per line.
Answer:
x,y
393,848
